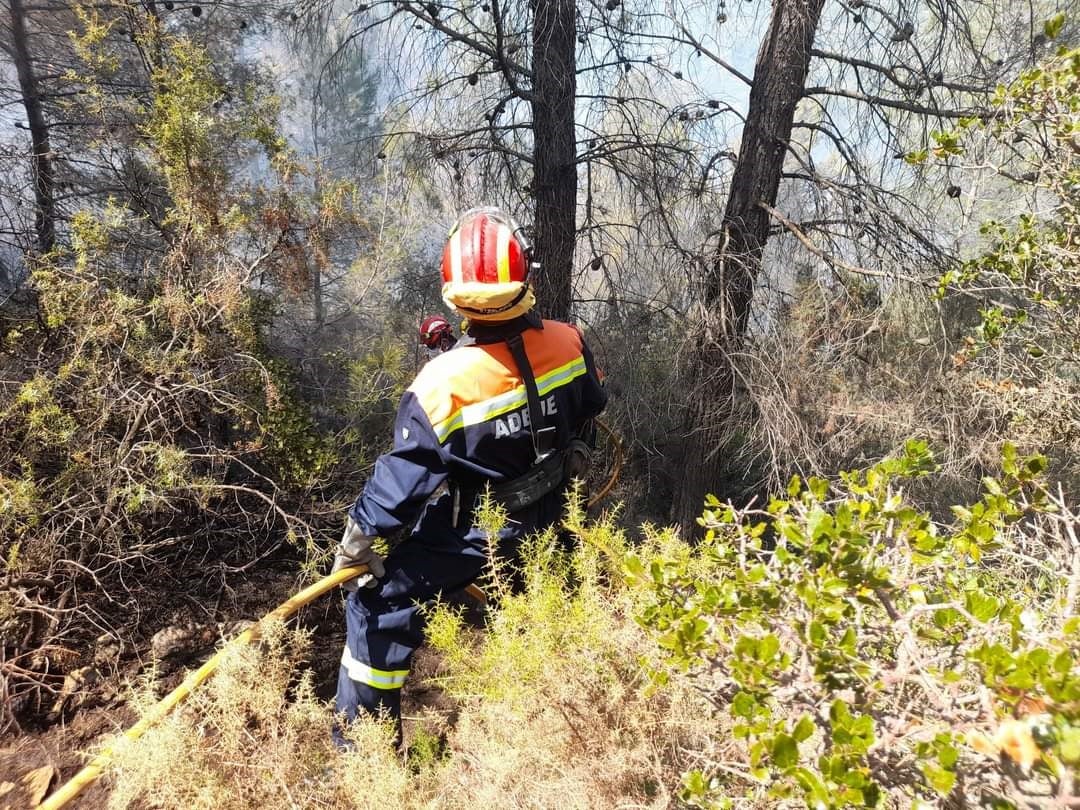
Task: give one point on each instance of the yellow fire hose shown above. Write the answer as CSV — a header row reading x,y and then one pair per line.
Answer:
x,y
287,608
91,772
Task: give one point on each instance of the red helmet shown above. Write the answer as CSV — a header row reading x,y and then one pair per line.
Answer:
x,y
434,330
485,266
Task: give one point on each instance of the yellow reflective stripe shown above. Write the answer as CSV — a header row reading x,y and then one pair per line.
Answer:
x,y
455,257
480,412
503,252
448,426
560,376
378,678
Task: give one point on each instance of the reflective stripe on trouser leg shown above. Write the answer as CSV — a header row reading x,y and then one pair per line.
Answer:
x,y
380,640
385,625
367,674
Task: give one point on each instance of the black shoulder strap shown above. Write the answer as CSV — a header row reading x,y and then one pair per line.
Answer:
x,y
543,438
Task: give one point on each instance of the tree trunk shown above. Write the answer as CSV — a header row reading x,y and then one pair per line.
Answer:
x,y
318,306
779,80
44,212
554,168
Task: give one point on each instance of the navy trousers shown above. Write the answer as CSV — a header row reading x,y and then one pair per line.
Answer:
x,y
385,625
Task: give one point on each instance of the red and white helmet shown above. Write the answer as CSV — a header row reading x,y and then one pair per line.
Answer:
x,y
486,265
435,331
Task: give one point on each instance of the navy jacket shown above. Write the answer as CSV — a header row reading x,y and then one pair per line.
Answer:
x,y
465,421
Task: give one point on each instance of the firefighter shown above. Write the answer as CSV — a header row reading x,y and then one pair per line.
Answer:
x,y
437,335
510,407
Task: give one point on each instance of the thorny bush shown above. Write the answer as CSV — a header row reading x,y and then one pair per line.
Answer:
x,y
861,649
547,706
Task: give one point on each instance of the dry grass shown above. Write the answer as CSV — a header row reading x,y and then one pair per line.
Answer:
x,y
254,736
843,384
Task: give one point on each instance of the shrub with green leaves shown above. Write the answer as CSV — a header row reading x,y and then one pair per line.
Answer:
x,y
1022,278
143,411
862,649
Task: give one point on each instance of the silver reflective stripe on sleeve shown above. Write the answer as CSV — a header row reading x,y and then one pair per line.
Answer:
x,y
378,678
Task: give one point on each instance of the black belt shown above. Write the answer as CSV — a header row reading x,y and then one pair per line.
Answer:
x,y
517,493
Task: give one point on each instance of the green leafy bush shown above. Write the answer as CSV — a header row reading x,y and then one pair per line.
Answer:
x,y
1022,277
862,649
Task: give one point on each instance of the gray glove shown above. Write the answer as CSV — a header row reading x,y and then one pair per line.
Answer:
x,y
355,549
578,460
